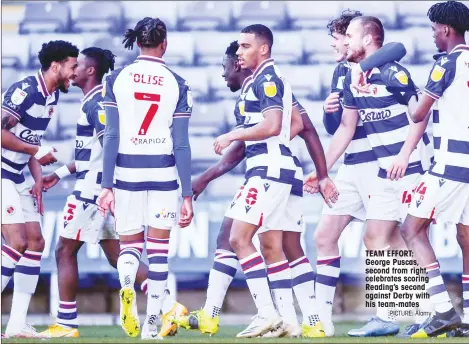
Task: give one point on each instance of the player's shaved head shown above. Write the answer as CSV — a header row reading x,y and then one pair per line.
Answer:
x,y
371,26
261,32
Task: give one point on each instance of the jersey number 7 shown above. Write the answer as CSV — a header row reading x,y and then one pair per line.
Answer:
x,y
148,97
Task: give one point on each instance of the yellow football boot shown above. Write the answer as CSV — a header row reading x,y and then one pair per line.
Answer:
x,y
316,331
58,331
168,328
199,320
128,312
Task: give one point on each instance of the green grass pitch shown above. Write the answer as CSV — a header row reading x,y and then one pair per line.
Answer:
x,y
114,334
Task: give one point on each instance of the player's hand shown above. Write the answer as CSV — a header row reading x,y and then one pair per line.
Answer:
x,y
222,142
311,183
328,191
359,79
49,181
47,159
398,167
198,186
332,104
105,202
187,213
36,193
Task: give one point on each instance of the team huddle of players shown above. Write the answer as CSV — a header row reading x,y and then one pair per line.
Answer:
x,y
132,147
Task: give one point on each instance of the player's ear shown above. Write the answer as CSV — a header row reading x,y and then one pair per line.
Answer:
x,y
236,65
54,66
446,30
164,45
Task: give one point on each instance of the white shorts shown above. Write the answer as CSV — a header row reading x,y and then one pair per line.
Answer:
x,y
390,199
293,220
260,202
352,182
441,199
18,206
134,210
83,222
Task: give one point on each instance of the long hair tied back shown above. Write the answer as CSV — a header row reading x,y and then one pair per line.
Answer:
x,y
149,32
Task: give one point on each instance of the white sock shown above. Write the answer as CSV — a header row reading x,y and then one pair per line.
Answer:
x,y
68,315
280,283
328,271
465,296
424,310
303,287
168,302
25,279
256,278
222,273
437,290
157,252
128,262
10,257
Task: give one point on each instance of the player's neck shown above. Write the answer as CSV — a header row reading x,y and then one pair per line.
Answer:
x,y
153,52
261,61
90,84
50,82
452,43
370,51
245,73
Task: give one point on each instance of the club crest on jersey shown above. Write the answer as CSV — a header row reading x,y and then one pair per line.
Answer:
x,y
102,117
437,73
18,96
270,89
402,77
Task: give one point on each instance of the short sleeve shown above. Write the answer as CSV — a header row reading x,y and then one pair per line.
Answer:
x,y
399,83
301,108
441,77
96,116
16,101
270,91
349,100
184,104
338,78
109,99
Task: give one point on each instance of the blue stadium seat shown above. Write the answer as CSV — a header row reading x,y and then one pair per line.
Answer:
x,y
180,49
38,40
212,54
207,119
270,13
312,14
99,16
15,51
197,79
206,15
317,47
9,76
386,11
217,85
305,80
288,48
413,13
167,11
123,56
44,17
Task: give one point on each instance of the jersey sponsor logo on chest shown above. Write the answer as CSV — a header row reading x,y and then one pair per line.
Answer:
x,y
29,136
371,116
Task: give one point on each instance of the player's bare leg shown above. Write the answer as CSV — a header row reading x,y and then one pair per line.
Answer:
x,y
377,236
414,232
326,237
16,243
280,281
127,266
25,277
303,278
255,270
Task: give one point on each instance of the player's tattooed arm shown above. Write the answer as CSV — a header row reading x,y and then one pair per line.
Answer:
x,y
10,141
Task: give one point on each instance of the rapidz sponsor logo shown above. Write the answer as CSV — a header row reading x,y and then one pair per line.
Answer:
x,y
148,141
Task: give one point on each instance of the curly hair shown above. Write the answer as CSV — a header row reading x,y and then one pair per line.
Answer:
x,y
56,51
452,13
339,25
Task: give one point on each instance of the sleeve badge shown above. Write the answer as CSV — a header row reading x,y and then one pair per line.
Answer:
x,y
437,73
402,77
102,117
18,96
270,89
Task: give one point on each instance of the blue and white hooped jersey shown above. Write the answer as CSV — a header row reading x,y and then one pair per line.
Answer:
x,y
271,158
436,131
449,84
88,149
359,149
239,113
384,114
149,96
31,104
